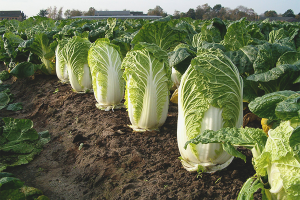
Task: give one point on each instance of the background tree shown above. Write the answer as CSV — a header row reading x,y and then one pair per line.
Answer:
x,y
90,12
71,13
289,13
23,16
176,14
298,17
217,8
157,11
59,14
270,13
191,13
203,12
43,13
54,13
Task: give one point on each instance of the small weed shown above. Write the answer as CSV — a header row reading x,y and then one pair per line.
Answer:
x,y
80,146
218,179
55,91
76,120
165,186
40,169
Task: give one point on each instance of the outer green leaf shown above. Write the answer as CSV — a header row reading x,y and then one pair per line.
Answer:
x,y
41,47
7,183
4,99
267,56
237,35
295,142
161,34
15,106
264,107
249,188
230,137
19,129
289,108
181,58
25,69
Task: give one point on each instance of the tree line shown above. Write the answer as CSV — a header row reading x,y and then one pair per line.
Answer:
x,y
203,12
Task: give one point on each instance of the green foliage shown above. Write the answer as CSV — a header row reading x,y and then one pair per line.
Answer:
x,y
13,188
161,34
19,142
4,75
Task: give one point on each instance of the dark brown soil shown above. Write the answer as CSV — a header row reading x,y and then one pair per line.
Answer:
x,y
114,162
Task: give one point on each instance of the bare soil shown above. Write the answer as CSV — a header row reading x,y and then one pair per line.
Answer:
x,y
114,161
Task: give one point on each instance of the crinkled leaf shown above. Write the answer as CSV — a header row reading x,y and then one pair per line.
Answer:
x,y
264,107
19,129
237,35
4,99
7,183
181,58
161,34
288,108
15,106
230,137
25,69
294,141
249,188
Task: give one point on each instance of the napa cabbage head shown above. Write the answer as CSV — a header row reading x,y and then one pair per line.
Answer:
x,y
147,75
105,62
210,96
76,54
60,63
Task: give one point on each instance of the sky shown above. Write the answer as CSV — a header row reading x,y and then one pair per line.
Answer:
x,y
32,7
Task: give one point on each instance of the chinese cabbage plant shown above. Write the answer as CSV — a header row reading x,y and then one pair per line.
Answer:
x,y
41,46
210,96
276,158
60,64
147,75
76,55
108,84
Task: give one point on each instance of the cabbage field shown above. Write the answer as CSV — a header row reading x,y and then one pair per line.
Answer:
x,y
140,109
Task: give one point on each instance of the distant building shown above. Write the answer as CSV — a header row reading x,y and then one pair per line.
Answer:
x,y
9,15
119,15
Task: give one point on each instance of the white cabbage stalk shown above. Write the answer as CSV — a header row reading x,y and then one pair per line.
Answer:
x,y
209,97
147,89
60,64
175,77
108,83
274,179
76,53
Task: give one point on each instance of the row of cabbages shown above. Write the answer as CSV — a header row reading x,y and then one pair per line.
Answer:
x,y
98,67
209,96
